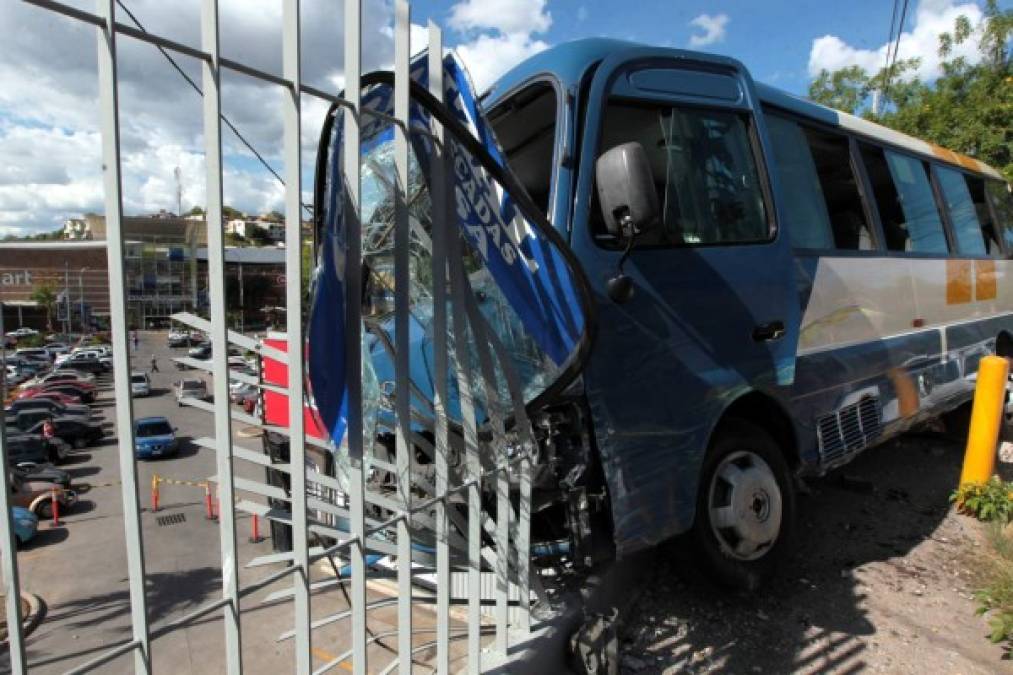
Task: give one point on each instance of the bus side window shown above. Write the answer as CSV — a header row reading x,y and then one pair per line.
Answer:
x,y
907,207
999,195
967,226
832,156
802,198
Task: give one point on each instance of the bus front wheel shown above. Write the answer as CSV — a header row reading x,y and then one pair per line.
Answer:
x,y
745,511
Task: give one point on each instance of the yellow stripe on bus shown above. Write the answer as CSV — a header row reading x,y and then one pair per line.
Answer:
x,y
958,282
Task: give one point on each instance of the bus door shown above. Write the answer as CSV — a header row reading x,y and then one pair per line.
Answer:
x,y
713,311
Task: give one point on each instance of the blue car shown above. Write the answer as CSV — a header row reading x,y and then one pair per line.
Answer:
x,y
25,524
154,437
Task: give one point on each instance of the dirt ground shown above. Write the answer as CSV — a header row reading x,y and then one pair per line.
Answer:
x,y
881,581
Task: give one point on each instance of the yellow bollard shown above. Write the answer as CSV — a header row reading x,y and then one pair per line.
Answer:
x,y
986,417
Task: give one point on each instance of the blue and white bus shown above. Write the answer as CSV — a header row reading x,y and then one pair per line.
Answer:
x,y
770,287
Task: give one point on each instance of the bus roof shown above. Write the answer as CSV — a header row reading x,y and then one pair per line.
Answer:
x,y
570,61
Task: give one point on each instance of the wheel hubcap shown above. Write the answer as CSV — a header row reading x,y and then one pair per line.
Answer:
x,y
744,503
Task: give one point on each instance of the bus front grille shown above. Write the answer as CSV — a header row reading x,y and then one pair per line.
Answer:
x,y
847,431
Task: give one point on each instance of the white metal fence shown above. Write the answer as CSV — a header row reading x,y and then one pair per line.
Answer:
x,y
486,541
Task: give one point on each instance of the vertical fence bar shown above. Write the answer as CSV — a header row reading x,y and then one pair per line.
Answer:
x,y
219,333
402,340
12,582
353,331
112,183
440,360
473,464
294,330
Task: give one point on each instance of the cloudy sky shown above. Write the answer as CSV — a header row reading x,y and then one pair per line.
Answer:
x,y
49,140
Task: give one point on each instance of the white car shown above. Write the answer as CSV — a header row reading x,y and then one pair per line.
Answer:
x,y
13,376
23,332
35,353
57,348
140,384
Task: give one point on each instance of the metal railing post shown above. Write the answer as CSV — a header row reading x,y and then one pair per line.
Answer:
x,y
12,582
219,339
402,339
350,172
112,182
440,360
294,332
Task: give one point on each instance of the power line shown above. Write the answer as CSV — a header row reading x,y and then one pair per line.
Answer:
x,y
896,47
889,38
196,88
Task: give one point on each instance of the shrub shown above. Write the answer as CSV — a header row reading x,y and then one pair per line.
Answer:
x,y
989,501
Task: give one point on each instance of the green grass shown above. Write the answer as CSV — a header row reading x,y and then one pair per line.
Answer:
x,y
996,593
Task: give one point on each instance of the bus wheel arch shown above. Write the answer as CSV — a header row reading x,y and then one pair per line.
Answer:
x,y
746,501
1004,344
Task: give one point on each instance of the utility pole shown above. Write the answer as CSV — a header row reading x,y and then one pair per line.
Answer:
x,y
66,297
80,293
242,306
179,191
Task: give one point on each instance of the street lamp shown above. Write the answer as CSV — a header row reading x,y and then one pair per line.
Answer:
x,y
80,292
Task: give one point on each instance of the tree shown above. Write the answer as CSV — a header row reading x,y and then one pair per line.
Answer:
x,y
45,296
969,108
195,211
230,213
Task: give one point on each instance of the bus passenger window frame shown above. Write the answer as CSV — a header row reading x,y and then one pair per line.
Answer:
x,y
861,184
873,206
993,211
948,222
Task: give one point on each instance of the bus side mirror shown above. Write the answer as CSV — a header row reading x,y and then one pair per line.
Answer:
x,y
629,204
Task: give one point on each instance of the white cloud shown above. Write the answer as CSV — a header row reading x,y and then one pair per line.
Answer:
x,y
489,56
506,16
931,18
714,29
49,140
50,155
501,33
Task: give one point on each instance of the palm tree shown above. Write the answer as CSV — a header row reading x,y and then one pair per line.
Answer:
x,y
45,296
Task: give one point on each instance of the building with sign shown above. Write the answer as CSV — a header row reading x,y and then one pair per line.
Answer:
x,y
164,272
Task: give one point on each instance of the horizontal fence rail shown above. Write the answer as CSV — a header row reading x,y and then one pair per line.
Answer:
x,y
410,523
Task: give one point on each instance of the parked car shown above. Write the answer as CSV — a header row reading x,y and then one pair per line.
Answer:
x,y
25,447
67,375
58,396
201,351
13,376
140,384
35,354
44,472
44,383
23,332
180,339
26,524
57,348
243,393
52,406
154,437
78,389
192,388
88,362
37,495
73,431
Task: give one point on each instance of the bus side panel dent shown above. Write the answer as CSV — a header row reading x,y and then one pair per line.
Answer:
x,y
652,439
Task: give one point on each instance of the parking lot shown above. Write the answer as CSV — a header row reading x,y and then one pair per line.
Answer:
x,y
79,567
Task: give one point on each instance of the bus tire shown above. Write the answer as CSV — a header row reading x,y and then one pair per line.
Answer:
x,y
746,507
